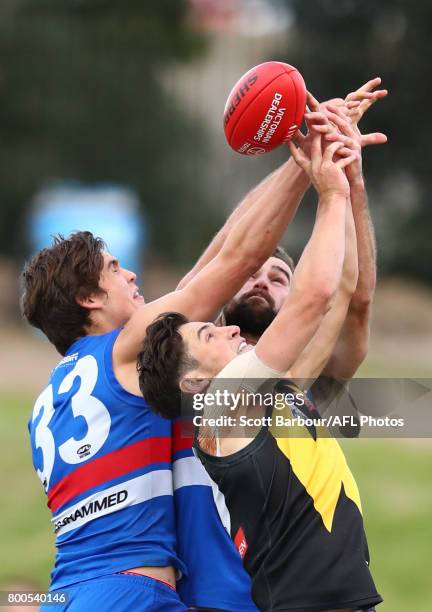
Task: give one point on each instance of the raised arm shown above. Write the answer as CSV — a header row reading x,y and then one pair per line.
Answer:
x,y
318,273
315,356
356,103
352,345
250,242
295,178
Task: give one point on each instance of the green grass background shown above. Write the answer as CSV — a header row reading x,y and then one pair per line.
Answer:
x,y
394,479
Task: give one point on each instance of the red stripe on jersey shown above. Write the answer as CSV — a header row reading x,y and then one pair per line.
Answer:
x,y
100,470
182,435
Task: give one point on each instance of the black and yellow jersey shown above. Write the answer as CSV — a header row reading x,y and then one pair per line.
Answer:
x,y
296,519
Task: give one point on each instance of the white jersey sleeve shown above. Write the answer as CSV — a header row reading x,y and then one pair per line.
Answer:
x,y
245,372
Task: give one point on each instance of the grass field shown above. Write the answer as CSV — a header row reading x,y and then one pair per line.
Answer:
x,y
394,478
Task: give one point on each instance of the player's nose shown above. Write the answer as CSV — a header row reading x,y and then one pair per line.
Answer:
x,y
130,276
261,283
233,331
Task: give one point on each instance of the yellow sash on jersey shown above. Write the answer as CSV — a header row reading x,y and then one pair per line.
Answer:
x,y
319,464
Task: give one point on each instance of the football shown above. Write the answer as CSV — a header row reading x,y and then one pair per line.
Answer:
x,y
265,108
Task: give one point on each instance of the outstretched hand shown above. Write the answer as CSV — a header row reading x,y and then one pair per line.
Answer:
x,y
316,120
325,168
354,106
365,96
350,136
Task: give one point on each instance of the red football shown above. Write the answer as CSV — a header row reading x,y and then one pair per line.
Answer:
x,y
265,108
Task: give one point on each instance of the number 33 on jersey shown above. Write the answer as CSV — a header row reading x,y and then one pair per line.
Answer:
x,y
104,460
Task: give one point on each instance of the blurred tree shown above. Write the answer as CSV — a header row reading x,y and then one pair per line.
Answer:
x,y
82,98
339,44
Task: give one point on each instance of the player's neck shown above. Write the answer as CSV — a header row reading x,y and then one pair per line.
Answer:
x,y
99,326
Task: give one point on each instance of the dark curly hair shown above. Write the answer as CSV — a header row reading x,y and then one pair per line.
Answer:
x,y
53,280
162,363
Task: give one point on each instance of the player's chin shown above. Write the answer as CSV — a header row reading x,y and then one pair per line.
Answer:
x,y
258,303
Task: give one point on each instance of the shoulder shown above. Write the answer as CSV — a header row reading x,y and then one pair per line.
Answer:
x,y
237,367
246,371
249,365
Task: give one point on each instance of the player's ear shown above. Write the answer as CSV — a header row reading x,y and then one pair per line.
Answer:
x,y
94,300
194,385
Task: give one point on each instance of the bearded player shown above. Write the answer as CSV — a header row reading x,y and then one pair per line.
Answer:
x,y
300,554
103,457
253,308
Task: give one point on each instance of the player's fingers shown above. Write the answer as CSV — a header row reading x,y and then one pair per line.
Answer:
x,y
380,93
346,140
377,95
367,87
338,111
344,152
353,104
353,112
358,95
299,137
315,117
331,150
316,148
342,109
317,122
334,101
322,129
341,122
312,102
374,138
298,156
365,92
294,151
333,111
366,104
371,84
346,161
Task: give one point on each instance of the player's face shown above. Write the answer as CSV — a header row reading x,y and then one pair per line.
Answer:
x,y
261,297
212,347
121,295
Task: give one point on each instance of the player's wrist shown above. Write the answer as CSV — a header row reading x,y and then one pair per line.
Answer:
x,y
333,193
357,184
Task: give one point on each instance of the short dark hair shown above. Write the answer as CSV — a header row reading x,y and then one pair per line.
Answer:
x,y
53,280
280,253
162,363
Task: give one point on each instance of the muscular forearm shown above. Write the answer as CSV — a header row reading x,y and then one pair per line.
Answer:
x,y
293,176
250,242
315,281
259,229
328,236
311,362
352,344
366,247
